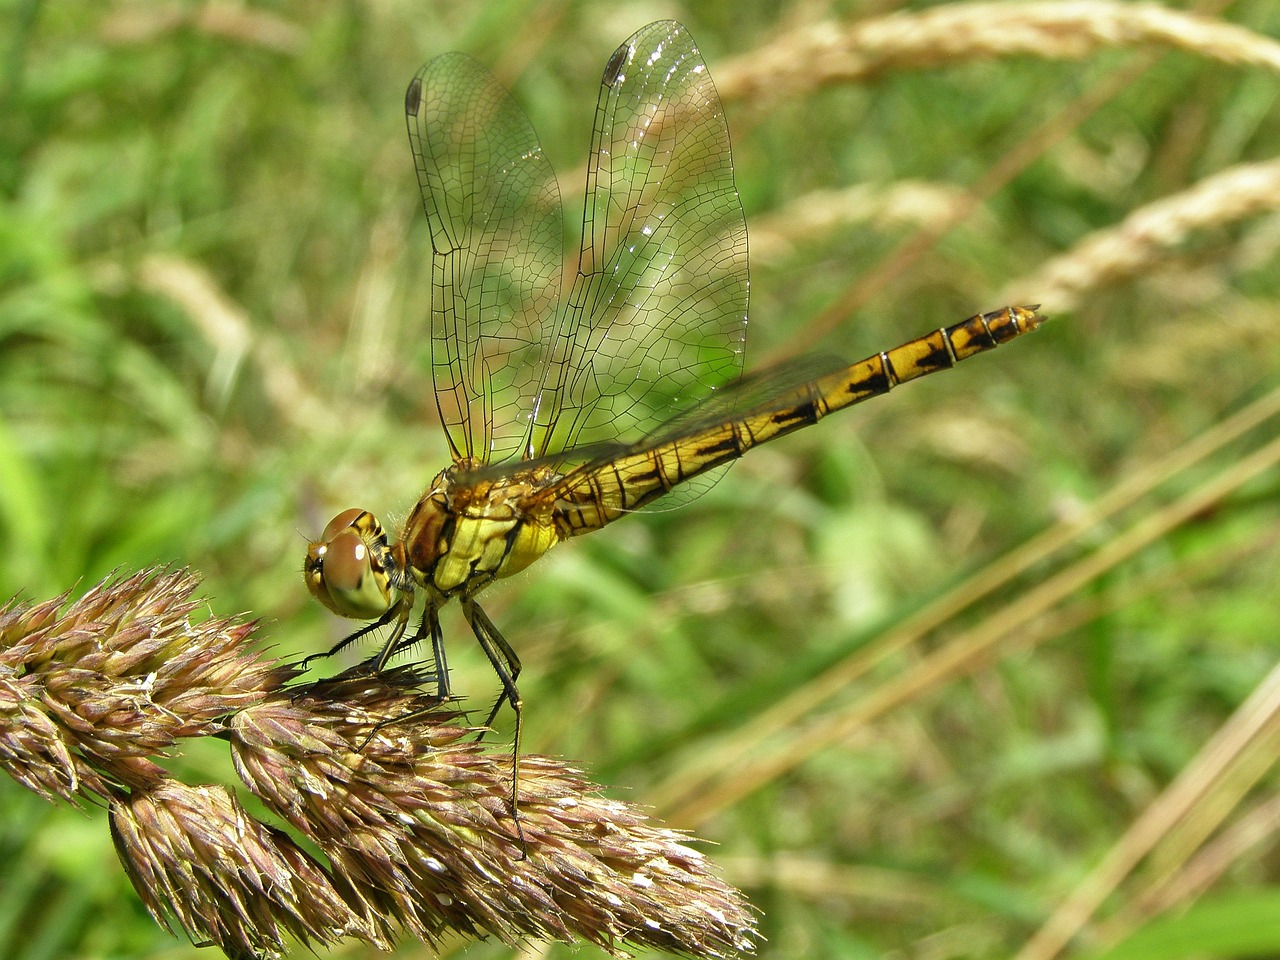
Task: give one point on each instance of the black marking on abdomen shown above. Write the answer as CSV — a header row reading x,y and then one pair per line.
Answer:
x,y
728,445
984,334
940,358
655,475
801,415
883,381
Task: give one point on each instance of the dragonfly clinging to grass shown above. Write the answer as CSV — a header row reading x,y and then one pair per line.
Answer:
x,y
566,409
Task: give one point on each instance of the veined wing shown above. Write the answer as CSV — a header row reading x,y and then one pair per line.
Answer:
x,y
773,388
493,208
656,318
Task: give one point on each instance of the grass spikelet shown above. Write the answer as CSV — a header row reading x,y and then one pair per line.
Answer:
x,y
829,53
112,681
193,853
1150,234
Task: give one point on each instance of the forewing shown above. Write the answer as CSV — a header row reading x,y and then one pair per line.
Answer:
x,y
656,319
497,249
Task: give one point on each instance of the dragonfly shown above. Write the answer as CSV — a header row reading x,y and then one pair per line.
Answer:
x,y
571,396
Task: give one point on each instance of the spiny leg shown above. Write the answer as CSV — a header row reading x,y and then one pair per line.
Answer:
x,y
403,607
508,659
430,626
398,612
507,666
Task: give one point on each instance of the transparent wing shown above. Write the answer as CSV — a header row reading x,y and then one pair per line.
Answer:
x,y
497,250
656,318
776,389
772,389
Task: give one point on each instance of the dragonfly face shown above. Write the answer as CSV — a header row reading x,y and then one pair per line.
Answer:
x,y
346,567
570,398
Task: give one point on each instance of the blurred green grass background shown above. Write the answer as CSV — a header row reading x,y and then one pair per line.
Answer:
x,y
213,288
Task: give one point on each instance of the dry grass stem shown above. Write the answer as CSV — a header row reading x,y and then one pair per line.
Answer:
x,y
1256,831
1150,234
722,784
411,813
830,53
886,890
808,220
228,21
225,326
1257,717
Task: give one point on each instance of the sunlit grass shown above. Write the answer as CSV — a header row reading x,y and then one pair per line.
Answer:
x,y
979,669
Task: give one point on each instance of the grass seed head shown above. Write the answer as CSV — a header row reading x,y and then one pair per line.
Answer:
x,y
417,816
193,854
90,693
412,814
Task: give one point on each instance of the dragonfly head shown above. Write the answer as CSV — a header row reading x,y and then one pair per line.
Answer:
x,y
348,568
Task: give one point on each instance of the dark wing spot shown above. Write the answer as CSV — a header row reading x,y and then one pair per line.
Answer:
x,y
613,68
413,97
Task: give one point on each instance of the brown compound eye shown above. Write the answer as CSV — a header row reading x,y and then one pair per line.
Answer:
x,y
343,570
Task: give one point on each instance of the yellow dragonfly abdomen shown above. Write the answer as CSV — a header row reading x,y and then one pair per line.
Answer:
x,y
597,494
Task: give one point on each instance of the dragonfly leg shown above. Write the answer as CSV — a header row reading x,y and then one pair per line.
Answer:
x,y
437,652
507,666
393,613
429,627
401,610
501,655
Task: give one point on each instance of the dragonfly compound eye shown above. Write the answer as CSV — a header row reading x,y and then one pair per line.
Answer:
x,y
343,568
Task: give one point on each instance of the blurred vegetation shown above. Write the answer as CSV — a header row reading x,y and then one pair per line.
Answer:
x,y
213,276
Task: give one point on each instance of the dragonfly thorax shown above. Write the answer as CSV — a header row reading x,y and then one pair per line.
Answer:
x,y
469,530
